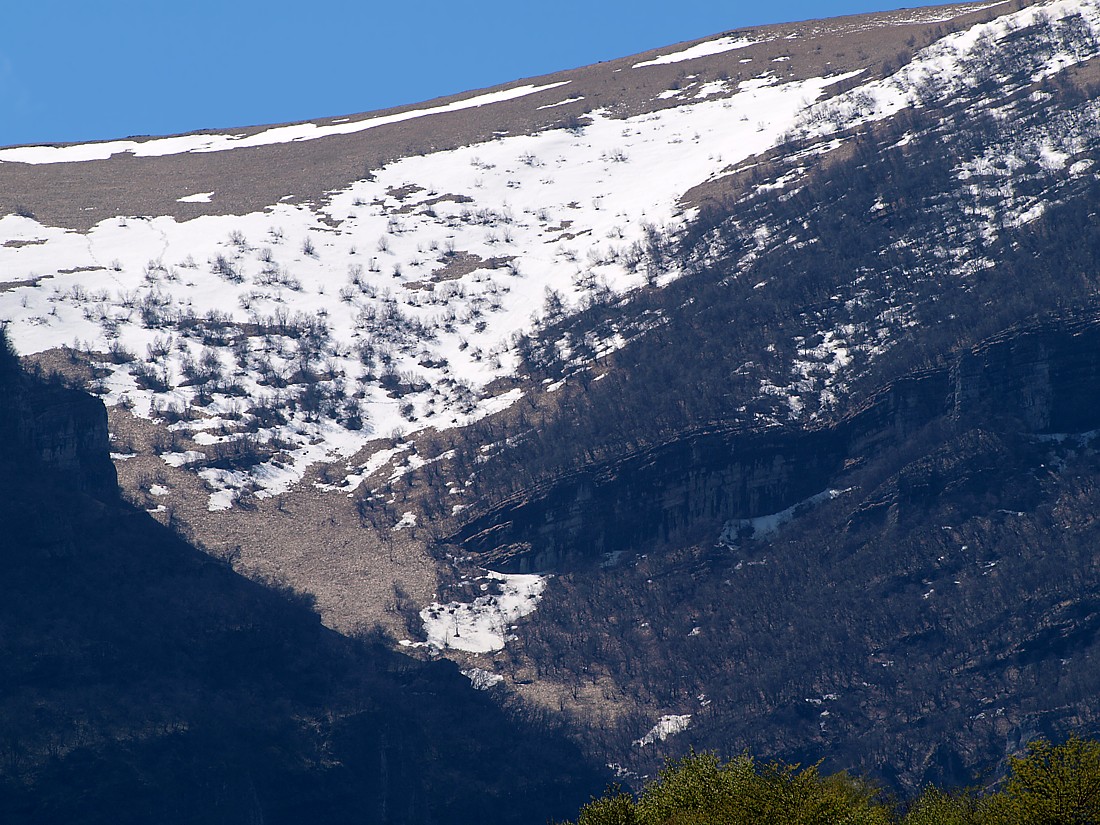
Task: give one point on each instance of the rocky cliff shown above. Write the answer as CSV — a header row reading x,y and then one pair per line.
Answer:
x,y
64,429
657,494
1041,378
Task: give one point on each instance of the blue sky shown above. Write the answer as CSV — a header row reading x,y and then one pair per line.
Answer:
x,y
74,70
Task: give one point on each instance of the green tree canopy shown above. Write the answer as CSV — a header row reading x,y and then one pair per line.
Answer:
x,y
1050,785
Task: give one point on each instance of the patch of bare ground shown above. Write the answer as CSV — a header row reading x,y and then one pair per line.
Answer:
x,y
463,263
74,270
426,205
561,227
458,264
1084,75
75,366
314,540
10,285
568,236
591,699
402,192
594,699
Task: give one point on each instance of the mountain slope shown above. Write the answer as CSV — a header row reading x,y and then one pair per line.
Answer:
x,y
931,610
143,680
296,305
655,393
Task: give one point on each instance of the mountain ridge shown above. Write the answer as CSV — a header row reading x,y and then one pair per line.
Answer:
x,y
37,191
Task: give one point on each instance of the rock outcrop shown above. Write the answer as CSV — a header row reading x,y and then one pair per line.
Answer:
x,y
1043,378
62,428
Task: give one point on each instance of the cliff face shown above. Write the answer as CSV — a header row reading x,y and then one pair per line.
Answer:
x,y
1039,379
1044,378
64,429
657,494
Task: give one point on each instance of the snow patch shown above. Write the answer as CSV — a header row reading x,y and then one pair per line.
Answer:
x,y
482,679
180,459
158,147
561,102
722,44
766,525
483,625
667,726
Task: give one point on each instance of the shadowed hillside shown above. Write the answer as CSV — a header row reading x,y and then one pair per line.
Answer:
x,y
142,680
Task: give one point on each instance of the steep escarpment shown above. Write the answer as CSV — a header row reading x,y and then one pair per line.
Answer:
x,y
935,615
61,428
657,495
1045,378
1039,379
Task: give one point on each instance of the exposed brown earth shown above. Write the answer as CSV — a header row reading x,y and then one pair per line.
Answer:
x,y
310,539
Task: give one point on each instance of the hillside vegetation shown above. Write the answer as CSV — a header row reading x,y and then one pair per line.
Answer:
x,y
818,282
940,609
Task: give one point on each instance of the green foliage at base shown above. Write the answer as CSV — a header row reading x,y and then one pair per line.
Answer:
x,y
1051,785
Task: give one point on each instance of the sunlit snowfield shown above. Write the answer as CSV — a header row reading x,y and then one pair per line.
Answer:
x,y
420,277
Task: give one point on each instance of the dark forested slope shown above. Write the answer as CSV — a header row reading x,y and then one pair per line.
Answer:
x,y
928,232
939,610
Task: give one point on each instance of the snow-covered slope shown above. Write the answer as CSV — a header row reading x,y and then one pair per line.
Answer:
x,y
391,306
